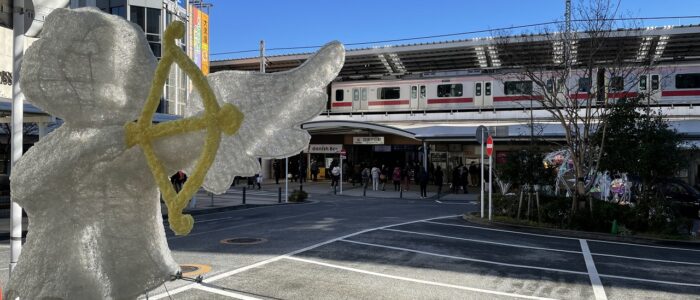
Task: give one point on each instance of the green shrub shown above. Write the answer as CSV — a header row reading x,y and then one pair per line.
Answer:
x,y
298,196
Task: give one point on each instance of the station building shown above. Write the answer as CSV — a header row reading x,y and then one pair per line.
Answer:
x,y
446,136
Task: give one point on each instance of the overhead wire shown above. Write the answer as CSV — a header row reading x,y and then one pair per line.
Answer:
x,y
460,33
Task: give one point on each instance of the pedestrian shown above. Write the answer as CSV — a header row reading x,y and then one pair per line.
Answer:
x,y
422,180
396,177
464,178
365,174
302,170
383,177
314,170
375,172
473,174
335,175
277,170
438,179
178,180
455,180
258,180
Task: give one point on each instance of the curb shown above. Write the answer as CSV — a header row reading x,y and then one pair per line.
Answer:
x,y
234,207
582,234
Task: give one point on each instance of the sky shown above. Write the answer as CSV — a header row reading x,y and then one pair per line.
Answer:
x,y
239,25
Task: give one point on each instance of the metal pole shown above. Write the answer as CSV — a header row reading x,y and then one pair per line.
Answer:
x,y
286,179
243,195
17,126
341,175
262,56
490,182
425,156
481,182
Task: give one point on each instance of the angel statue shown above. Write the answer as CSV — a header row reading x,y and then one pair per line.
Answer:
x,y
96,230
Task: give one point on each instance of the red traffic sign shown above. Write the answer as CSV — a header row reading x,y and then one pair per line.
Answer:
x,y
489,146
342,152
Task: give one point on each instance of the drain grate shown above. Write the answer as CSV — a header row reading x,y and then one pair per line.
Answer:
x,y
243,241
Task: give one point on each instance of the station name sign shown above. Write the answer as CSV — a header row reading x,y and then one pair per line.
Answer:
x,y
325,148
368,140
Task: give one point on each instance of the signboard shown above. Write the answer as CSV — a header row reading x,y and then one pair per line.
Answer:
x,y
325,148
368,140
489,146
343,154
381,148
481,132
199,38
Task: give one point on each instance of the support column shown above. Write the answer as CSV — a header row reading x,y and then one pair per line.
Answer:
x,y
17,127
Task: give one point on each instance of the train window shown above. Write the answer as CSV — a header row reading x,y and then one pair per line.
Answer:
x,y
339,95
364,94
616,84
584,84
477,89
688,81
550,86
517,87
389,93
414,92
355,94
654,82
447,90
643,83
487,89
422,91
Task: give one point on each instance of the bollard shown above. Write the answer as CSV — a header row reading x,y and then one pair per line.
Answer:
x,y
212,199
244,195
279,195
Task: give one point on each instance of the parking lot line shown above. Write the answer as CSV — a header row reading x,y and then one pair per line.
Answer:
x,y
598,289
647,246
414,280
225,293
649,280
482,241
465,258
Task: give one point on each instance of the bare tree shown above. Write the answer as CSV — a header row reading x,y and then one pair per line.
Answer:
x,y
582,70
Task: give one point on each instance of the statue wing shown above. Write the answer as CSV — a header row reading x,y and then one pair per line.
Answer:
x,y
274,105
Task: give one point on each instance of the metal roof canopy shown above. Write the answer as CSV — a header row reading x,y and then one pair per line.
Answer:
x,y
664,44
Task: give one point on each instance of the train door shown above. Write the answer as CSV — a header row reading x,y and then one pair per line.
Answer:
x,y
483,93
419,96
356,103
363,98
650,86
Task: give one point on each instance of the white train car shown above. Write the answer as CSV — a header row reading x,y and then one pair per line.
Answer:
x,y
665,86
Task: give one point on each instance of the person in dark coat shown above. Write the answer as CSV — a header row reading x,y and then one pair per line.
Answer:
x,y
423,182
464,178
437,176
455,180
473,174
276,169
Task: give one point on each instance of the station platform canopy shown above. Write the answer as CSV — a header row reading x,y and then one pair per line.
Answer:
x,y
669,44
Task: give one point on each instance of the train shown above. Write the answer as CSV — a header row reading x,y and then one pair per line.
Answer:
x,y
476,90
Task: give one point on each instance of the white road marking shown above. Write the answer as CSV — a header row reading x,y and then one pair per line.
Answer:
x,y
501,230
465,258
648,259
449,203
415,280
225,293
564,237
598,289
274,259
650,280
482,241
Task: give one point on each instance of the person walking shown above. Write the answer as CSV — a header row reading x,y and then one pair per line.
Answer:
x,y
423,182
314,170
464,178
396,177
365,176
375,178
276,169
438,179
302,171
473,174
455,180
335,175
383,177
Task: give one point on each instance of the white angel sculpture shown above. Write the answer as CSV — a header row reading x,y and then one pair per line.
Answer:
x,y
96,230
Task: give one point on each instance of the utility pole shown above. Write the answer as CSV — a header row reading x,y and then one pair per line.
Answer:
x,y
17,126
262,56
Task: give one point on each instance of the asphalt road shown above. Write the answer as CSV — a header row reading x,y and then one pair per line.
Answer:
x,y
415,249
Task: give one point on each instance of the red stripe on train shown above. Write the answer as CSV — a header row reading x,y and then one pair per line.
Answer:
x,y
680,93
517,98
339,104
450,100
623,95
388,102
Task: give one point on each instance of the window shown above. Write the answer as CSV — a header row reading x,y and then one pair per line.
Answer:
x,y
617,83
138,16
389,93
487,89
643,83
477,89
118,11
339,95
149,20
550,86
584,84
364,94
414,92
355,94
654,82
449,90
422,91
517,87
688,81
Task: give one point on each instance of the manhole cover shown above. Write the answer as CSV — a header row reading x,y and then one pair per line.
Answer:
x,y
192,270
243,241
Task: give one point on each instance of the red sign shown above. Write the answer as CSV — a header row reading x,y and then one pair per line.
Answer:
x,y
342,152
489,146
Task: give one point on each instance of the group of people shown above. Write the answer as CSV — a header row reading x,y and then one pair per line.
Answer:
x,y
463,176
